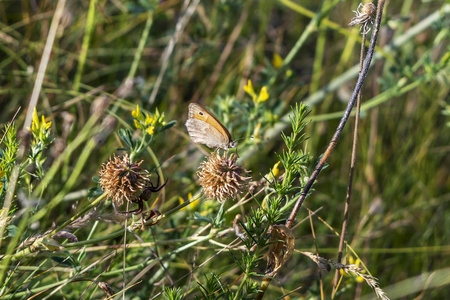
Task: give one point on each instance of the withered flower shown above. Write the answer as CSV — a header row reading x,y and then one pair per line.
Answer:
x,y
282,244
221,178
120,179
364,16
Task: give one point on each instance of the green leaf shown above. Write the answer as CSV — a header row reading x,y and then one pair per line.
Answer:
x,y
65,261
199,217
126,136
94,192
11,230
168,125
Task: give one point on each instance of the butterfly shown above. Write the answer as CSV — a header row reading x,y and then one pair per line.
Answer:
x,y
204,128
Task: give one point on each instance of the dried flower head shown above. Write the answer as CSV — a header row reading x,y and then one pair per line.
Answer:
x,y
282,244
364,16
221,178
121,179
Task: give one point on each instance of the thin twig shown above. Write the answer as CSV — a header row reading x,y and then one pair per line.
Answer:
x,y
362,76
10,124
124,261
352,171
344,118
44,62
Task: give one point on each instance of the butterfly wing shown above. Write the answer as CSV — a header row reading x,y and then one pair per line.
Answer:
x,y
203,133
205,128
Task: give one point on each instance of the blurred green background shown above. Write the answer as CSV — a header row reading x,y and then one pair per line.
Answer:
x,y
206,51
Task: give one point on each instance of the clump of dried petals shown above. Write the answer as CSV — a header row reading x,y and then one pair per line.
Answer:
x,y
221,178
282,244
364,16
121,179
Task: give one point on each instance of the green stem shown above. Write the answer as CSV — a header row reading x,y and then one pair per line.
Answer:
x,y
176,251
140,48
97,240
241,286
312,27
83,251
85,45
376,101
319,56
85,155
82,137
26,251
220,214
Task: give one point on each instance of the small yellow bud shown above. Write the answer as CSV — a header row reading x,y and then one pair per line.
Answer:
x,y
35,122
192,205
150,130
45,125
277,61
148,120
263,95
137,113
249,89
275,169
137,124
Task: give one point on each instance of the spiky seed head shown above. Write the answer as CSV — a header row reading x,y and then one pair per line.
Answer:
x,y
221,178
121,179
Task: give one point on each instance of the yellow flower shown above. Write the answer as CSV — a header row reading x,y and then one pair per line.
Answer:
x,y
249,89
40,129
356,262
35,123
275,169
147,123
137,124
277,61
192,205
273,172
150,130
46,125
137,113
263,95
149,120
159,118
